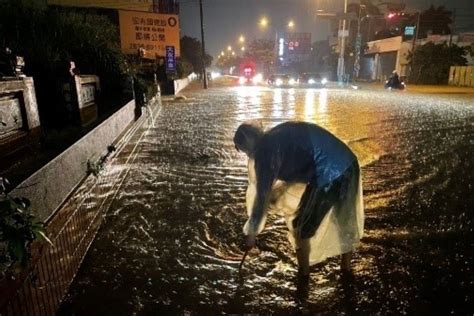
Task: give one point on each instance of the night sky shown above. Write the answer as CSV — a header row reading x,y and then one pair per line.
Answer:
x,y
225,20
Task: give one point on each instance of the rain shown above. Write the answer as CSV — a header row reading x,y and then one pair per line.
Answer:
x,y
171,242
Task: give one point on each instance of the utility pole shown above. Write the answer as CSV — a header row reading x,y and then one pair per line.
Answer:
x,y
204,73
342,49
453,28
415,35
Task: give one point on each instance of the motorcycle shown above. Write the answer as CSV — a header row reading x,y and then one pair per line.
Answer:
x,y
390,85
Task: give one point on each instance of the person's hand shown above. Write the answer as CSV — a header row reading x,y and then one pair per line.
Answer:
x,y
249,242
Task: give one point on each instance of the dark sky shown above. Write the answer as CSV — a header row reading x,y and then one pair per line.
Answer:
x,y
225,20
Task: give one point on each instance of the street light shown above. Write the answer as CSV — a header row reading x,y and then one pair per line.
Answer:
x,y
241,39
263,22
291,24
229,48
242,48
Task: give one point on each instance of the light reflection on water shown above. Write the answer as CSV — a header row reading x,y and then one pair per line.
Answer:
x,y
171,242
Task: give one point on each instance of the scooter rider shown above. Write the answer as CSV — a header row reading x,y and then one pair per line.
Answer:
x,y
393,81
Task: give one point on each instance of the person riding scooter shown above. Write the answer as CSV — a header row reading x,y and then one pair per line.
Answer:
x,y
394,82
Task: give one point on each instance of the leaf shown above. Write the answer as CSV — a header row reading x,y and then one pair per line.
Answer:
x,y
44,237
18,250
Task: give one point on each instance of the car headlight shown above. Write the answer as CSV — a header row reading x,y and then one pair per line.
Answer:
x,y
242,80
311,81
324,81
292,81
278,82
257,78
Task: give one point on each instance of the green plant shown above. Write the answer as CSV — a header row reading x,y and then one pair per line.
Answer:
x,y
18,229
430,63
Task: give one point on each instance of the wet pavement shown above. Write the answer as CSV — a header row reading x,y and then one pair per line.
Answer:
x,y
170,242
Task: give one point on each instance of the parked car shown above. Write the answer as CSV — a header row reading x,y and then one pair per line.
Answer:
x,y
282,80
310,80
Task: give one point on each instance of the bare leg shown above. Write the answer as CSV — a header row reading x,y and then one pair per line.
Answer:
x,y
303,248
346,261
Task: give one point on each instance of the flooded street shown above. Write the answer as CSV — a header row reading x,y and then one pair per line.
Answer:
x,y
171,240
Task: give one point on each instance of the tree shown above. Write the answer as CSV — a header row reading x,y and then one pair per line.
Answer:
x,y
191,52
435,20
431,62
262,51
226,62
49,38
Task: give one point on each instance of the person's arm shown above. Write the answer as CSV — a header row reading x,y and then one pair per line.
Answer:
x,y
261,180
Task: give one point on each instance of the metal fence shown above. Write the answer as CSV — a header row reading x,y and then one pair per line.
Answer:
x,y
461,76
40,289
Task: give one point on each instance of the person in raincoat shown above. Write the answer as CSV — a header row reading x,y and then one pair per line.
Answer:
x,y
312,178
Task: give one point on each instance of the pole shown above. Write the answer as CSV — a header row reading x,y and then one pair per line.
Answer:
x,y
340,64
415,36
358,45
204,74
452,29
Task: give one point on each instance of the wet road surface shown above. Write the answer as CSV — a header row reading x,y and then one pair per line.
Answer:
x,y
170,242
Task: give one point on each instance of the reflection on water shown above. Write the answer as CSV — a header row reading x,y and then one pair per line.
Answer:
x,y
323,101
171,242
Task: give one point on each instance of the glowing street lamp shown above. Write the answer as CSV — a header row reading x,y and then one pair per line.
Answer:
x,y
263,22
242,48
229,48
241,39
291,24
233,53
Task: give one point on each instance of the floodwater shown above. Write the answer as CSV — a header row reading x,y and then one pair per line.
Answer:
x,y
170,242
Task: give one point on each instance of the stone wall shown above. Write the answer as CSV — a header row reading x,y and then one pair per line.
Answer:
x,y
50,186
19,118
180,84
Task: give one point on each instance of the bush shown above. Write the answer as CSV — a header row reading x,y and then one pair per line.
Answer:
x,y
431,62
18,229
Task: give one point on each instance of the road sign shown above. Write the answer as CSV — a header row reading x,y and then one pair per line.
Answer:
x,y
149,31
344,33
170,60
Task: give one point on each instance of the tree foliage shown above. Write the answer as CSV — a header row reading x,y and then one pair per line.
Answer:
x,y
226,62
435,20
431,62
262,52
49,38
191,52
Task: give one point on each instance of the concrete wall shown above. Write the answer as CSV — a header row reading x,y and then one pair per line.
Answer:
x,y
27,88
87,92
385,45
49,187
180,84
19,118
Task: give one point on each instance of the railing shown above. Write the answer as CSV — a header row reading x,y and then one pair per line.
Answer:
x,y
461,76
40,289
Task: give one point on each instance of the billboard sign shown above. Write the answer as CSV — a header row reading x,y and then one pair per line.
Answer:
x,y
170,60
294,47
137,5
151,32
